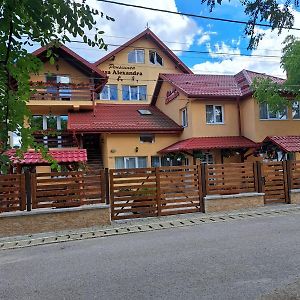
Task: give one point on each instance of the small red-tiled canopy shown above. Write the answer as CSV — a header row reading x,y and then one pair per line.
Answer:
x,y
122,118
208,143
285,143
61,156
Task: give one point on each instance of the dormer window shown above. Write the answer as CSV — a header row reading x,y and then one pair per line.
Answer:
x,y
136,56
155,58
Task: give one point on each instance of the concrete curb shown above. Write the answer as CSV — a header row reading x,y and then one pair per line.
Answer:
x,y
141,226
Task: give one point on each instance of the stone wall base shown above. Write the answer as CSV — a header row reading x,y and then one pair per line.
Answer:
x,y
218,203
295,196
47,220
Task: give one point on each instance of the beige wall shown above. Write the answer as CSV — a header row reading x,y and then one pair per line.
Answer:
x,y
201,128
257,130
116,145
60,107
64,68
149,71
197,125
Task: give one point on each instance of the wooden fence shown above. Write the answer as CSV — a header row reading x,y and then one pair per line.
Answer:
x,y
12,193
67,189
295,174
179,190
144,192
137,193
231,178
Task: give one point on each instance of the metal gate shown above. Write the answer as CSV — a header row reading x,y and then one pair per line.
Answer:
x,y
275,184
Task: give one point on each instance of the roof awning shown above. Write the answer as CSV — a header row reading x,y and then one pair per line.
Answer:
x,y
62,156
285,143
208,143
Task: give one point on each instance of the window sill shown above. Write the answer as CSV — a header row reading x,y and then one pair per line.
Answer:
x,y
274,120
215,123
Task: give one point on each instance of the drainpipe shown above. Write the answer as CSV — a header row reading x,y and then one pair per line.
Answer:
x,y
239,115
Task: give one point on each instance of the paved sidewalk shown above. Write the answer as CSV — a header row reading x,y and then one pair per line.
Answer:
x,y
142,225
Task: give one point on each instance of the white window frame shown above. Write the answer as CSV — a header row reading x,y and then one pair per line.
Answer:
x,y
214,115
126,158
156,63
277,114
136,56
298,104
184,117
109,92
138,92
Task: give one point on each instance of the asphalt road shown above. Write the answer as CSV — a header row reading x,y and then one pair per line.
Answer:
x,y
243,259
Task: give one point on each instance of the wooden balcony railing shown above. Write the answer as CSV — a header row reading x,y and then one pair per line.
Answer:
x,y
55,139
62,92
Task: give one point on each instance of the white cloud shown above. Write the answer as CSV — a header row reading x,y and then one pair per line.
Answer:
x,y
271,45
179,30
205,36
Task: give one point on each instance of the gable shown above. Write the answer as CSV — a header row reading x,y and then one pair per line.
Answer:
x,y
146,39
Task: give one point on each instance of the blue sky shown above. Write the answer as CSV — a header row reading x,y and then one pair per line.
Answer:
x,y
191,34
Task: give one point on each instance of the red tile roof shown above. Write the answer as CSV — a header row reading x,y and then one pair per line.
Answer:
x,y
121,118
61,156
286,143
207,143
148,34
77,58
216,86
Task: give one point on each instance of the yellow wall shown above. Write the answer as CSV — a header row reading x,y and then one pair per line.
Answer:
x,y
149,71
116,145
256,129
201,128
60,107
197,126
64,68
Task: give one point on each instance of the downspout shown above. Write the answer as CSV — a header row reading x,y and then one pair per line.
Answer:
x,y
239,115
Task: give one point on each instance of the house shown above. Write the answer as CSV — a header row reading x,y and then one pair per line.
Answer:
x,y
222,121
141,106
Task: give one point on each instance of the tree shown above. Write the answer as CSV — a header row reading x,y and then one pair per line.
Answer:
x,y
278,95
45,22
277,15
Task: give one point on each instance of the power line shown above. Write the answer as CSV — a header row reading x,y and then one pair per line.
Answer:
x,y
191,15
179,50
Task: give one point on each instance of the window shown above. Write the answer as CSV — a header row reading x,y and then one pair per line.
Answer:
x,y
134,92
184,117
49,122
164,161
109,92
136,56
130,162
62,90
147,138
214,114
266,114
155,58
207,158
144,112
296,110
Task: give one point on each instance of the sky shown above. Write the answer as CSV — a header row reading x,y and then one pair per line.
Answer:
x,y
182,34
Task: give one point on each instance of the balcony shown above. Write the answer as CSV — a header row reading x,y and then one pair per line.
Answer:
x,y
55,139
69,96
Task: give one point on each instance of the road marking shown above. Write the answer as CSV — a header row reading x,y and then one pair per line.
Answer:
x,y
151,226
